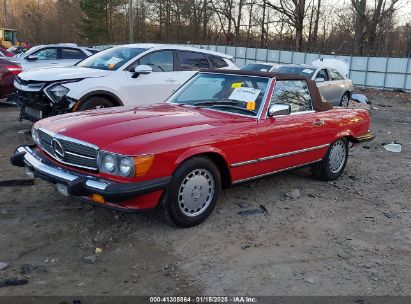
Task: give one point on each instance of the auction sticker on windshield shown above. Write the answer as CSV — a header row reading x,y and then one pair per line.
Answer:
x,y
244,94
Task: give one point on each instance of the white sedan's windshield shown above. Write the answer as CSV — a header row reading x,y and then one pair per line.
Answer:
x,y
111,59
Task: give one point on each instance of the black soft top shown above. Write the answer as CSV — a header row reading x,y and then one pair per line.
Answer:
x,y
319,104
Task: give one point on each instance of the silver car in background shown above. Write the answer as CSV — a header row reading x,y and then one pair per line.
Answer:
x,y
333,86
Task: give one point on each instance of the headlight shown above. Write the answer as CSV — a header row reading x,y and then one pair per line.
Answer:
x,y
109,163
127,166
35,135
57,92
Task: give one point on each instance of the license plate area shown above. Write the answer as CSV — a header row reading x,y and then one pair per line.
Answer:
x,y
33,112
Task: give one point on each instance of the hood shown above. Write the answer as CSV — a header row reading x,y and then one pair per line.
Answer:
x,y
61,73
105,126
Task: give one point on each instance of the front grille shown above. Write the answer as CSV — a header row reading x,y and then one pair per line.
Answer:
x,y
75,154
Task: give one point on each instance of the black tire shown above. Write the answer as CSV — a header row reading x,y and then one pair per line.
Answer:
x,y
323,171
345,100
95,102
172,201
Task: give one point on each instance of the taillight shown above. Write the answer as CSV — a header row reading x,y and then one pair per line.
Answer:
x,y
14,69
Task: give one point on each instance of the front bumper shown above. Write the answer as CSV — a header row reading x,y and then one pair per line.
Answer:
x,y
36,105
82,185
364,138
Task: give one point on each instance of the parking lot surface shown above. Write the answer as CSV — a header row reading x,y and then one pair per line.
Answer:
x,y
287,234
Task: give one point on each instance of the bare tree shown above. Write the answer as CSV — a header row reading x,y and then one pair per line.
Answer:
x,y
295,11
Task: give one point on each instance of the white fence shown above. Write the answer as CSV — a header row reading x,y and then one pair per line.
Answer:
x,y
375,72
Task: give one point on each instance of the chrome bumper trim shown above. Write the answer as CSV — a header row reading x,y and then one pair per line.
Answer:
x,y
56,172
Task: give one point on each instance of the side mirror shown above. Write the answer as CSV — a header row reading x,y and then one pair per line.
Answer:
x,y
279,109
32,57
319,79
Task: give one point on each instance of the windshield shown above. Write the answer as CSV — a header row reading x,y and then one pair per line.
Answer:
x,y
111,59
229,93
257,67
302,71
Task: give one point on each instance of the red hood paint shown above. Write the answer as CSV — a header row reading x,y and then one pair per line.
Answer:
x,y
106,126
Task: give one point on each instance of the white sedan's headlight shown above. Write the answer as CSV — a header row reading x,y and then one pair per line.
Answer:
x,y
57,92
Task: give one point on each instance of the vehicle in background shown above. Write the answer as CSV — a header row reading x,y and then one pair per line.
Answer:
x,y
260,67
18,49
340,65
8,37
8,71
5,53
220,128
53,55
333,86
125,75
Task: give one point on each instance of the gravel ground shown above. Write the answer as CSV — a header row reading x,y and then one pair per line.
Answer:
x,y
348,237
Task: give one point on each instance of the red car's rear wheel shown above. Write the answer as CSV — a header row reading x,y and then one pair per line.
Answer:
x,y
334,161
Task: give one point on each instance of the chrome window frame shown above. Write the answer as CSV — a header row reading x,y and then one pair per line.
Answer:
x,y
263,100
295,113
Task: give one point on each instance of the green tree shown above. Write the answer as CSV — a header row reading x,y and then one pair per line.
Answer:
x,y
97,19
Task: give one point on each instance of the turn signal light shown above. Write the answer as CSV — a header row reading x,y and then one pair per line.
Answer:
x,y
142,164
97,198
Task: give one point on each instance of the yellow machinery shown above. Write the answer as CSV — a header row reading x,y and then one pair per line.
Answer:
x,y
8,37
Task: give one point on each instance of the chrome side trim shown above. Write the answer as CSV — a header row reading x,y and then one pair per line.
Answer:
x,y
248,162
273,172
252,161
293,152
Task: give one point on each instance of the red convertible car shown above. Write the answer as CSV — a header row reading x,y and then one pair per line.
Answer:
x,y
219,129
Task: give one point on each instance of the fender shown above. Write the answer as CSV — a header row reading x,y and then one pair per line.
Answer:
x,y
218,157
345,133
199,150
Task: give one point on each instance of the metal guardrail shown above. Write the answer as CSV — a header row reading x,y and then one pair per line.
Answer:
x,y
365,71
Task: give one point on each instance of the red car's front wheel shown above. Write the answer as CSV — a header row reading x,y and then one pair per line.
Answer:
x,y
192,193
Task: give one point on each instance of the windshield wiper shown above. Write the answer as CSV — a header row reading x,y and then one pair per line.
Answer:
x,y
215,102
230,106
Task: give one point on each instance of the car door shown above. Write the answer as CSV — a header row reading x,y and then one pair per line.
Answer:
x,y
286,141
70,56
158,85
325,86
45,57
189,63
337,88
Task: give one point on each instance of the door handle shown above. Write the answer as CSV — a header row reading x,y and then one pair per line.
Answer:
x,y
318,122
171,79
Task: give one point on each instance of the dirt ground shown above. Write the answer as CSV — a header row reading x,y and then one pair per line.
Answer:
x,y
349,237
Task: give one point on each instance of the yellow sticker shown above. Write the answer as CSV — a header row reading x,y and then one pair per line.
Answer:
x,y
236,85
111,66
251,105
